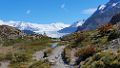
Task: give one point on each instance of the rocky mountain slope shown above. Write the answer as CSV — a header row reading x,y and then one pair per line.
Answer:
x,y
102,15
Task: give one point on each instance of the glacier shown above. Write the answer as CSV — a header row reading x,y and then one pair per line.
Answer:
x,y
49,29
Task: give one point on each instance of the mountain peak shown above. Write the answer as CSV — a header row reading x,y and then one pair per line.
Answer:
x,y
113,1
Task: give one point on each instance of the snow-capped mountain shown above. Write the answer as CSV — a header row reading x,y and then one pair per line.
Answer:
x,y
102,15
49,29
72,28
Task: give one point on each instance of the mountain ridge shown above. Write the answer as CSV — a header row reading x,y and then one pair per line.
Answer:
x,y
101,16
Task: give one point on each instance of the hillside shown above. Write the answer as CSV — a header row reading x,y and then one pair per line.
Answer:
x,y
8,33
87,46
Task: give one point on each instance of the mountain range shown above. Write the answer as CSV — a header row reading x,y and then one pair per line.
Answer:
x,y
49,29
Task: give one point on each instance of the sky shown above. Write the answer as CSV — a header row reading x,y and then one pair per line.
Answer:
x,y
48,11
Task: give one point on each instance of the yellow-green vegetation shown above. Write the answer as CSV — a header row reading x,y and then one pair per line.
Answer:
x,y
20,65
40,64
36,64
19,60
96,37
20,52
104,59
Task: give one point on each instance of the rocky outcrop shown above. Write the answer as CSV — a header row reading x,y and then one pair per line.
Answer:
x,y
8,33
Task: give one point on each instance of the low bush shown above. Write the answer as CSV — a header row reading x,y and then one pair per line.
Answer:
x,y
86,51
79,38
104,30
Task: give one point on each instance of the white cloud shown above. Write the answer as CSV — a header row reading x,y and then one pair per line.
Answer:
x,y
89,11
28,11
62,6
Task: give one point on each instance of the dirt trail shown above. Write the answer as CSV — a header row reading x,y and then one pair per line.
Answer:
x,y
4,64
38,55
57,58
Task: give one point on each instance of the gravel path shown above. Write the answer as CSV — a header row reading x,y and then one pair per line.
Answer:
x,y
38,55
4,64
57,58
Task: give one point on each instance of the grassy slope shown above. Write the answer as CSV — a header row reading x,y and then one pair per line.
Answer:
x,y
86,40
